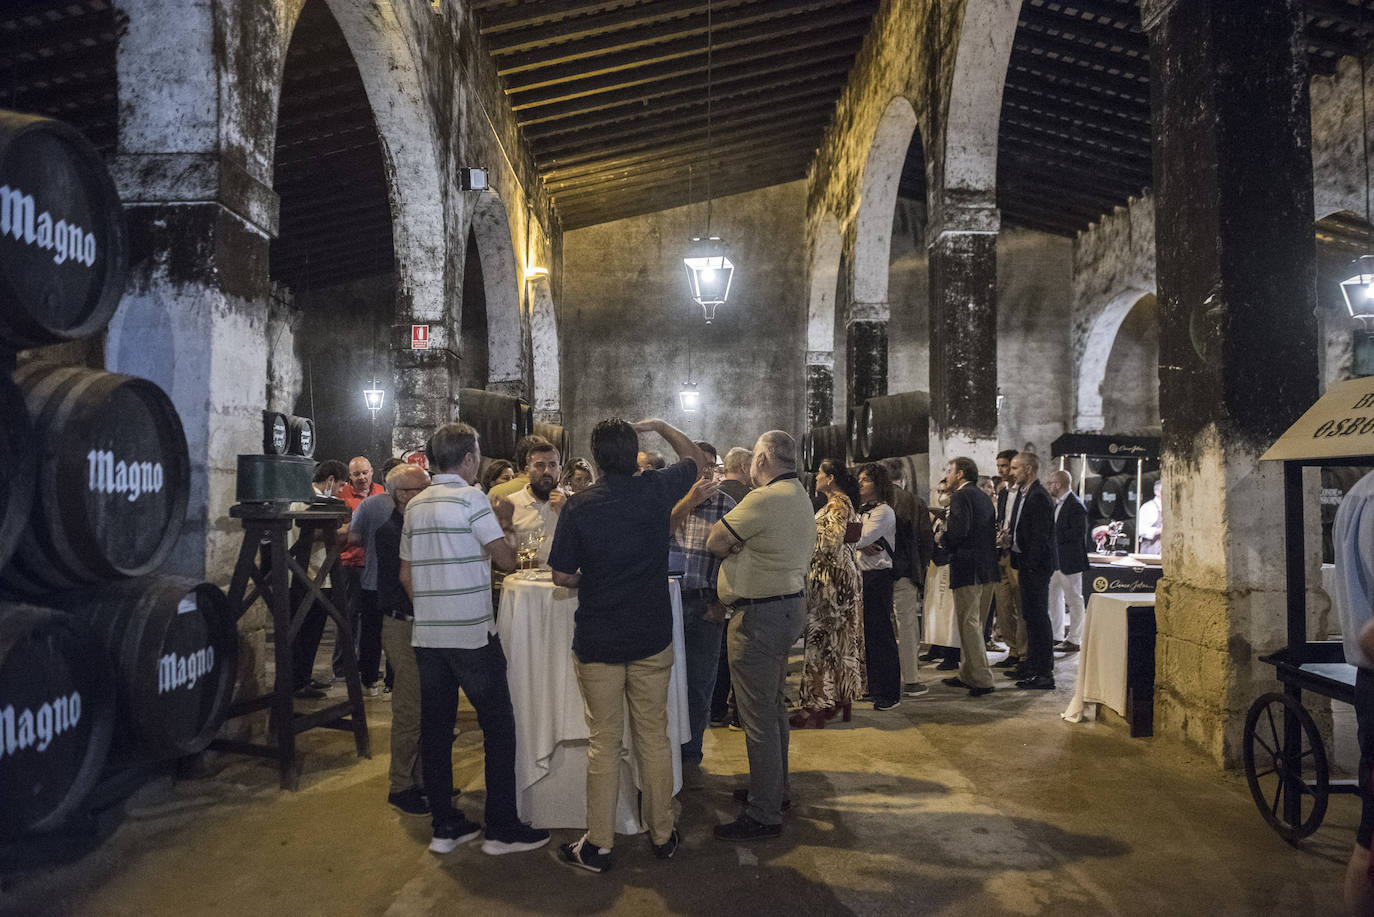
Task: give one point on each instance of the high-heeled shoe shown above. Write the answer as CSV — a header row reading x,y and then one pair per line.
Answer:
x,y
803,719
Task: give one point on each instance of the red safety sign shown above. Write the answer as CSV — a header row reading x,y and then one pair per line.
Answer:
x,y
419,337
417,458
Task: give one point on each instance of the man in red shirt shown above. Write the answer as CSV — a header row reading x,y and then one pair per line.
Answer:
x,y
351,563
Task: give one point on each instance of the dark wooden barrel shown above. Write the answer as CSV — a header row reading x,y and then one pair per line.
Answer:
x,y
57,710
496,417
1112,496
276,433
854,444
62,237
822,443
302,436
1107,466
19,452
893,425
174,644
112,480
558,435
526,419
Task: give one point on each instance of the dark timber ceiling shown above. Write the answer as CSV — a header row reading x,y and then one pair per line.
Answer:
x,y
1075,133
612,95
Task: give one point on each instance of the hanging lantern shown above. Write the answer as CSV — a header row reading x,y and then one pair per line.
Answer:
x,y
709,274
1358,289
373,398
689,399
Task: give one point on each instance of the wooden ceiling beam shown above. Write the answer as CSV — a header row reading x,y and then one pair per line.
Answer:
x,y
1029,68
1066,199
1016,169
640,204
1034,131
92,30
1345,46
1127,15
755,80
1352,17
553,139
553,178
1034,218
1069,156
1076,123
734,64
1082,31
1061,98
695,161
722,171
1132,71
609,52
532,23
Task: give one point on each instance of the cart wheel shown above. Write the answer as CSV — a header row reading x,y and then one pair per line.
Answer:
x,y
1271,764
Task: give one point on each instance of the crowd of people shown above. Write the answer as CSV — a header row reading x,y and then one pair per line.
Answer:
x,y
849,569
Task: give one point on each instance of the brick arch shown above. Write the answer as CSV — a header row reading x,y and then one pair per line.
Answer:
x,y
896,130
1097,351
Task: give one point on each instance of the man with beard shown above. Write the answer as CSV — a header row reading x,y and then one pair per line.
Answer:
x,y
539,503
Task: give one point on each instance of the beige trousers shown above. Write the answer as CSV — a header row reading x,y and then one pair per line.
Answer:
x,y
405,704
1007,592
906,605
607,691
970,611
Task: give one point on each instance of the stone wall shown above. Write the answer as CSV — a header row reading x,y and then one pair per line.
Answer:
x,y
627,321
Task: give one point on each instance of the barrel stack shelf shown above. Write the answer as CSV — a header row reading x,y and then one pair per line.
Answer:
x,y
1286,764
109,670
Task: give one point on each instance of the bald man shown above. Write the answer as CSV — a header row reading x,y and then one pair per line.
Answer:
x,y
357,605
1070,560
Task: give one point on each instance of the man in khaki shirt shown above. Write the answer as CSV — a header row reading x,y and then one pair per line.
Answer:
x,y
767,541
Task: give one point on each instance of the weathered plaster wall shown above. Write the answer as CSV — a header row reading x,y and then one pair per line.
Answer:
x,y
627,321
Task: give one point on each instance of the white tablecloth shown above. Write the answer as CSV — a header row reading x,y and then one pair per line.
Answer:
x,y
1102,659
940,625
535,622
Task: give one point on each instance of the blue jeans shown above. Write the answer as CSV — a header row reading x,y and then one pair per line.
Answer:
x,y
481,673
702,644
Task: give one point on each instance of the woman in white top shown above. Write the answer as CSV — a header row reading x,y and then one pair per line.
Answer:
x,y
877,546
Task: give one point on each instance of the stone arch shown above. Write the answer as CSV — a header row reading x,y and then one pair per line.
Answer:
x,y
544,351
969,166
377,41
506,358
1097,351
825,269
878,196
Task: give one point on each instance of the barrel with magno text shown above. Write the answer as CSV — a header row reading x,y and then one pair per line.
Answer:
x,y
112,481
174,645
57,711
62,236
893,425
499,420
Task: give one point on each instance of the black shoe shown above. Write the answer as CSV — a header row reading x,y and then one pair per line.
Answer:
x,y
881,705
745,828
665,850
1069,647
953,682
411,801
447,837
1010,662
515,839
980,692
1037,683
309,693
1020,673
585,855
742,796
947,665
321,685
927,657
719,721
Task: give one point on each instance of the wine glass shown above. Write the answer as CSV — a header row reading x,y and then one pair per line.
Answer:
x,y
525,553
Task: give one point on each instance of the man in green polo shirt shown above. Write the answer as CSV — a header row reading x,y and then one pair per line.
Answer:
x,y
767,542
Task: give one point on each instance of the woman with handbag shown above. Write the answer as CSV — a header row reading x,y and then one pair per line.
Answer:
x,y
832,676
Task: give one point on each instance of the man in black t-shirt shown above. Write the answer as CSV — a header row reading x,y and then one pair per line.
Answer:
x,y
612,546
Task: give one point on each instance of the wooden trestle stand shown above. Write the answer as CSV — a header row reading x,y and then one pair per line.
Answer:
x,y
266,561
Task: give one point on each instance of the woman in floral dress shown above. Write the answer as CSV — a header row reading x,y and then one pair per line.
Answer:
x,y
832,676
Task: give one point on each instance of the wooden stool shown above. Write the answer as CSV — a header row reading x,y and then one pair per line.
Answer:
x,y
267,527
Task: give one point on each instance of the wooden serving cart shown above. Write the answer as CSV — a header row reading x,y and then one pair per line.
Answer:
x,y
1286,764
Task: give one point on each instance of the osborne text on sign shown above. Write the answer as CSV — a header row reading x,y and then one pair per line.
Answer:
x,y
419,337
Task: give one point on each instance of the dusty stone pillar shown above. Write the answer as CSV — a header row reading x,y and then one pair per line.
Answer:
x,y
963,347
426,384
866,350
1238,362
820,388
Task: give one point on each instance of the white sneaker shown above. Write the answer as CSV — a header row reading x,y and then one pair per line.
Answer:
x,y
447,838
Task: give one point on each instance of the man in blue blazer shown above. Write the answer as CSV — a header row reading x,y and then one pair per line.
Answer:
x,y
970,536
1032,556
1070,560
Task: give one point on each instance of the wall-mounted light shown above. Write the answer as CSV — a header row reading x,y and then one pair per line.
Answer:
x,y
373,398
535,273
689,399
1358,289
472,179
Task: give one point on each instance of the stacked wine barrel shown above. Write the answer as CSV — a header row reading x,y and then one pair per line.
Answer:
x,y
500,420
97,653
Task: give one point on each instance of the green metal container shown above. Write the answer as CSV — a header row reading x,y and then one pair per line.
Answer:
x,y
274,479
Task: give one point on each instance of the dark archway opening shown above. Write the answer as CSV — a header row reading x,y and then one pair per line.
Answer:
x,y
474,367
334,252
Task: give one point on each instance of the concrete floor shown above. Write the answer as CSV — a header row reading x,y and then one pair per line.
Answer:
x,y
945,805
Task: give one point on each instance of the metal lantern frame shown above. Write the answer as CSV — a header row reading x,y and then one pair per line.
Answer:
x,y
709,273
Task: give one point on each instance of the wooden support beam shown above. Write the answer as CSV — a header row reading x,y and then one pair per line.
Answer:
x,y
531,24
1081,77
744,163
1016,168
732,64
1075,28
1127,14
1342,13
637,205
1067,100
1068,156
753,81
1128,70
1086,125
1054,138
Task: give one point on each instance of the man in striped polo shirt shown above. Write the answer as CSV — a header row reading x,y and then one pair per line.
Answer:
x,y
452,535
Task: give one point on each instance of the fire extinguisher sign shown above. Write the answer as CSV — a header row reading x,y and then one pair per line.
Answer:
x,y
419,337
